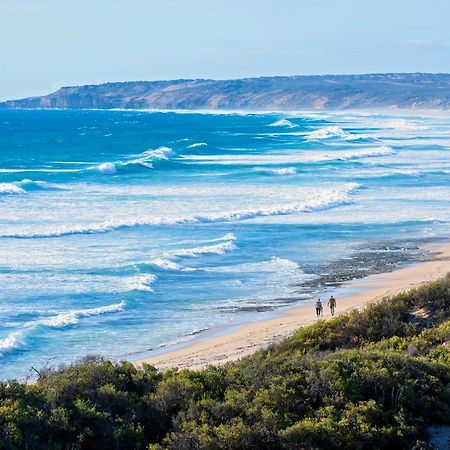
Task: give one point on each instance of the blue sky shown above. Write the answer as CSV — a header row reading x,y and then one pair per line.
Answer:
x,y
45,44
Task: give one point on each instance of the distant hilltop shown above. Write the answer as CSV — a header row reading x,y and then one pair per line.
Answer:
x,y
324,92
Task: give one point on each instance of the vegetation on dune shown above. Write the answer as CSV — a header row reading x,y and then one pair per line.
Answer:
x,y
371,379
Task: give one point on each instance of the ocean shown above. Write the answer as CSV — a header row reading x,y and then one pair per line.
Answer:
x,y
122,231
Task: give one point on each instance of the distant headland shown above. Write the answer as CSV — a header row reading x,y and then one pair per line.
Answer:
x,y
419,91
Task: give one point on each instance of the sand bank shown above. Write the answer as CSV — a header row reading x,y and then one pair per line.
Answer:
x,y
208,348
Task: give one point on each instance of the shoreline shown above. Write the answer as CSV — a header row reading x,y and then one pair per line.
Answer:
x,y
394,111
221,344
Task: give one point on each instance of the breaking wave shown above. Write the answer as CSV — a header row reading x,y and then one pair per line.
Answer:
x,y
166,265
371,152
141,282
397,173
301,157
17,339
170,259
10,189
403,125
24,186
146,160
279,172
328,132
198,144
283,123
274,264
328,198
215,249
73,317
336,132
11,342
107,168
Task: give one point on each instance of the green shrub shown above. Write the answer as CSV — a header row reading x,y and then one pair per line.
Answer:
x,y
370,379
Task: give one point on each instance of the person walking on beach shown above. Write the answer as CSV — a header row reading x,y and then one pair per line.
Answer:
x,y
319,307
332,305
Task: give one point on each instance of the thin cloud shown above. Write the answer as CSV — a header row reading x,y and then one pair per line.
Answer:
x,y
14,7
426,43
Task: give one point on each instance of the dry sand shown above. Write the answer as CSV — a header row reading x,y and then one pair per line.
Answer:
x,y
246,339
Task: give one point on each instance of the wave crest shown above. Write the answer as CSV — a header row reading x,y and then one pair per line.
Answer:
x,y
369,153
166,264
197,144
146,160
11,189
404,125
328,132
142,282
283,123
280,172
11,342
215,249
169,262
326,199
107,168
17,339
24,186
73,317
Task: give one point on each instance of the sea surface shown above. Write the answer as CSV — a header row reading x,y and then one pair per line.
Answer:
x,y
122,231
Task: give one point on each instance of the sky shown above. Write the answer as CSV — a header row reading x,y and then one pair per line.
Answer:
x,y
45,44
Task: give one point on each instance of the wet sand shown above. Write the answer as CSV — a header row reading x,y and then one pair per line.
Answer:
x,y
209,348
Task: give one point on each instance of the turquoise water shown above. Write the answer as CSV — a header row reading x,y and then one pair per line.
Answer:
x,y
126,230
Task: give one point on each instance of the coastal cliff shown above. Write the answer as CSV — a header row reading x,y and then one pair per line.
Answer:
x,y
328,92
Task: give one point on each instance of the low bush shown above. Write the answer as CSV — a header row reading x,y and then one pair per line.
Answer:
x,y
370,379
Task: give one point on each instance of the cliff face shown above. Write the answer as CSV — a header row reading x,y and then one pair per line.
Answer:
x,y
420,91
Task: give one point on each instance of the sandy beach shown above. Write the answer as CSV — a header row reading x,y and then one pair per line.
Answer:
x,y
217,349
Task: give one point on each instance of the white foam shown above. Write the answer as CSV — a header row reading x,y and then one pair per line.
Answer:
x,y
276,278
21,187
324,199
317,201
403,125
216,249
282,263
280,172
386,174
11,342
273,265
328,132
107,168
283,123
161,153
166,264
225,244
305,157
26,183
17,339
72,317
141,282
226,237
198,144
145,159
11,189
368,153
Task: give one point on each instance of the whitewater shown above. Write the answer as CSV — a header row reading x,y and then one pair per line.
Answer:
x,y
122,231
